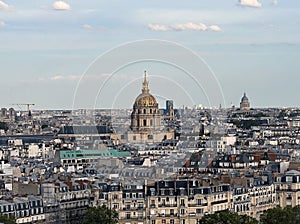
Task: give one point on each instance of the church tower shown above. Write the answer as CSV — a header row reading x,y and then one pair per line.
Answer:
x,y
145,116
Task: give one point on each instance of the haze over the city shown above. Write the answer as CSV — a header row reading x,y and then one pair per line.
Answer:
x,y
250,46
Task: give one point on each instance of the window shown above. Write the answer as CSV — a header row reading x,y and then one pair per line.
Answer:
x,y
199,210
140,215
171,221
140,205
182,211
134,138
171,191
152,203
128,216
133,195
182,202
171,211
115,196
151,122
144,111
115,206
152,191
199,201
144,122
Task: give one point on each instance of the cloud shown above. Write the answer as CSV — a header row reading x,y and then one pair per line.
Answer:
x,y
78,77
2,24
215,28
184,27
5,6
61,5
65,78
157,27
189,26
87,27
250,3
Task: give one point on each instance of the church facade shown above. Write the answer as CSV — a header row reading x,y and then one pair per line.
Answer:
x,y
146,120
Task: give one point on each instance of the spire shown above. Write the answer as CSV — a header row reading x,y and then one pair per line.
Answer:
x,y
145,88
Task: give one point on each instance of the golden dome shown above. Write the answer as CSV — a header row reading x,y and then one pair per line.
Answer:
x,y
145,99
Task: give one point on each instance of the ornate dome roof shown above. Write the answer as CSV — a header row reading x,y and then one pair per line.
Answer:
x,y
145,98
245,98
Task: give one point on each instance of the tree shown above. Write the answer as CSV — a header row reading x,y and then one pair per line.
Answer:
x,y
6,220
95,215
278,215
227,217
4,126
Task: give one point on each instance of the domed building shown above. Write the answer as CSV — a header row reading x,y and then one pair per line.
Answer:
x,y
146,119
145,115
245,104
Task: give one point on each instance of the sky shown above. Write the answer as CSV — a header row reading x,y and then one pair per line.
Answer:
x,y
92,54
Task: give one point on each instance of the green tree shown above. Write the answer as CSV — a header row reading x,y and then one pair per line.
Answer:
x,y
227,217
95,215
3,126
4,219
278,215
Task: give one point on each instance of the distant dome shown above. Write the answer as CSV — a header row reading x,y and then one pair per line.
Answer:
x,y
145,99
244,98
245,104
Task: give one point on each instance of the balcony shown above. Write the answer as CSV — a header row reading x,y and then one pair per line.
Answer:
x,y
197,205
167,205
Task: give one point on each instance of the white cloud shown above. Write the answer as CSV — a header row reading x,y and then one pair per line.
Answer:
x,y
157,27
184,27
65,78
2,24
250,3
87,27
215,28
78,77
5,6
61,5
190,26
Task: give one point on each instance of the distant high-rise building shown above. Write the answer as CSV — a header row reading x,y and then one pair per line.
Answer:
x,y
245,104
170,109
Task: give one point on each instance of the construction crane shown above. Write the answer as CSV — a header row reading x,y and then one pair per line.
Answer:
x,y
25,104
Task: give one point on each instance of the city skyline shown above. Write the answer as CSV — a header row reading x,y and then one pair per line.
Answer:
x,y
251,46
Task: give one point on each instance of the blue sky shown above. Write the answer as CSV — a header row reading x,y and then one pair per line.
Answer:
x,y
250,45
